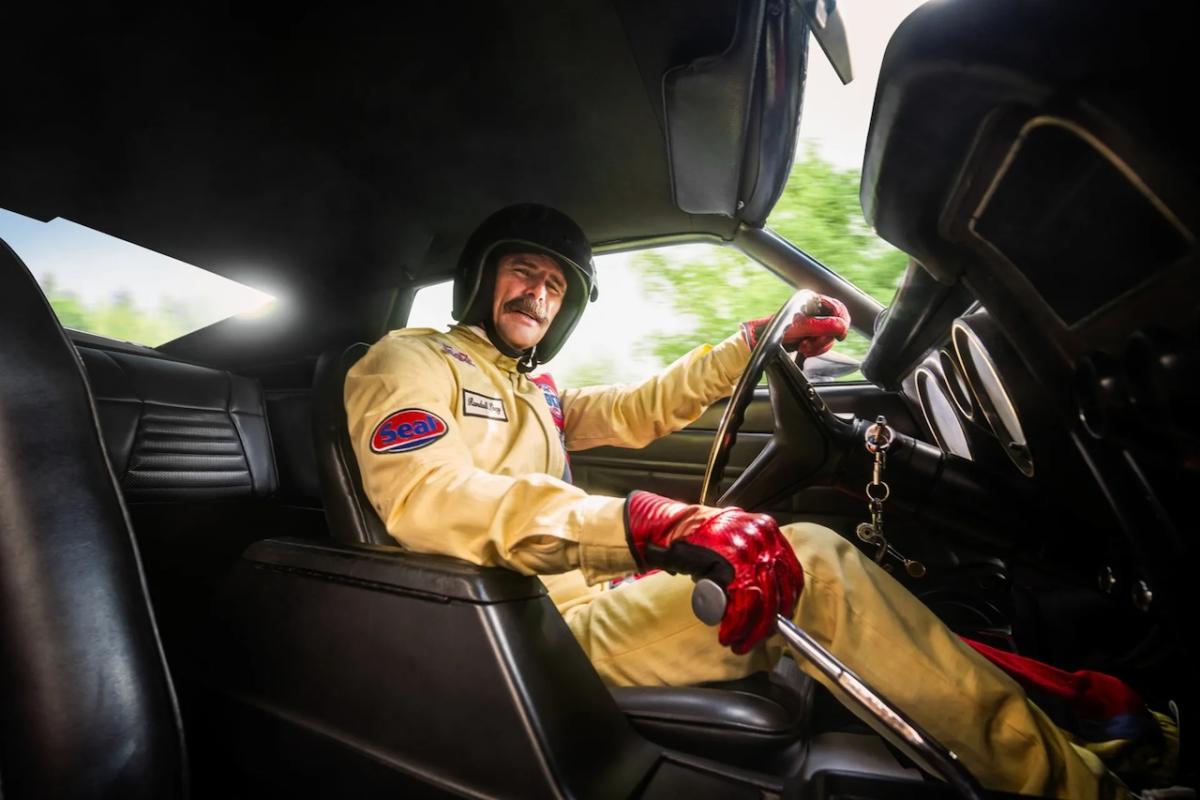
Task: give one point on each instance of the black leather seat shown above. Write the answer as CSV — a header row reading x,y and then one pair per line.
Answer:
x,y
179,432
752,722
88,706
192,453
347,509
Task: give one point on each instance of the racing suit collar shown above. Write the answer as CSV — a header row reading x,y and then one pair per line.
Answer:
x,y
476,337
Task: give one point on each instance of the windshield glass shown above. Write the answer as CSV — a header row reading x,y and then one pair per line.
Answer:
x,y
103,285
819,210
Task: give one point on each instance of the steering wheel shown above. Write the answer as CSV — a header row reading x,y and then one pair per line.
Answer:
x,y
809,441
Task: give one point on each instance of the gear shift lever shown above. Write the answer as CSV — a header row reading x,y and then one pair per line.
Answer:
x,y
708,603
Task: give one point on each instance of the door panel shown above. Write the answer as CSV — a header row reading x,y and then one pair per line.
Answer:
x,y
674,465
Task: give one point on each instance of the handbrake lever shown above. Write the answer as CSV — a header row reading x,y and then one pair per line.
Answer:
x,y
708,603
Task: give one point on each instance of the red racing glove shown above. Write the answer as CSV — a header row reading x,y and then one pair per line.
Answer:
x,y
744,553
821,320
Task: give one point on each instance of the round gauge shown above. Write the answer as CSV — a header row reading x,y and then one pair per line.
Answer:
x,y
991,397
956,384
940,413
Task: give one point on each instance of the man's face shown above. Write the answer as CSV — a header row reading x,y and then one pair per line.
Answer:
x,y
529,292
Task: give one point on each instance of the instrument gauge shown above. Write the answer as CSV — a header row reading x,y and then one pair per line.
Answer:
x,y
940,412
956,383
975,338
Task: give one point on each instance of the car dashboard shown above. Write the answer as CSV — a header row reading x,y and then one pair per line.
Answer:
x,y
1059,356
1047,331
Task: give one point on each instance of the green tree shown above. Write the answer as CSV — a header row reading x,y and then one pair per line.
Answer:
x,y
714,296
818,211
121,318
593,373
71,311
180,316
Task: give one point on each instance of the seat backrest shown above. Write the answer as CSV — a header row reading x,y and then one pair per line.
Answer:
x,y
178,431
349,513
88,705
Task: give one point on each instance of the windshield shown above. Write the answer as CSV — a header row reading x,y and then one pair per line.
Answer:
x,y
819,210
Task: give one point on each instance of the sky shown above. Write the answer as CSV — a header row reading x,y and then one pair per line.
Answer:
x,y
834,120
95,266
835,116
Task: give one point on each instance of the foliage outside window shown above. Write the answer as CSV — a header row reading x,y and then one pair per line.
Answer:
x,y
819,212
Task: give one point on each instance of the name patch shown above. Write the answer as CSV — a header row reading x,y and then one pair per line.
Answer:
x,y
408,429
480,405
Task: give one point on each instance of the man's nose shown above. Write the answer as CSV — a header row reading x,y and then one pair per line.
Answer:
x,y
537,289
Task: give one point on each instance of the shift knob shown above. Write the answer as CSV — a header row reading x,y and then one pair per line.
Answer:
x,y
708,601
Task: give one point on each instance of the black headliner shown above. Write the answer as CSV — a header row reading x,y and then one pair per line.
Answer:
x,y
339,146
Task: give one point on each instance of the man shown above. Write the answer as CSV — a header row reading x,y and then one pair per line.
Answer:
x,y
464,454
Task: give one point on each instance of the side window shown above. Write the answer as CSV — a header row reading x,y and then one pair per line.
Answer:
x,y
431,307
102,285
656,305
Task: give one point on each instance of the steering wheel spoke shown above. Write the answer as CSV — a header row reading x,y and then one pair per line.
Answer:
x,y
758,483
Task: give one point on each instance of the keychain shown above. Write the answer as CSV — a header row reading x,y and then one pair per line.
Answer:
x,y
878,439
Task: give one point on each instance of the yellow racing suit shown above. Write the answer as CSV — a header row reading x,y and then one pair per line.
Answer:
x,y
463,456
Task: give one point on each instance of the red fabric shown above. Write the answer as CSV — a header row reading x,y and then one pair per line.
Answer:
x,y
812,334
1091,695
767,578
550,391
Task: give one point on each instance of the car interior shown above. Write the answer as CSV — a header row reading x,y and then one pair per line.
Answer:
x,y
196,597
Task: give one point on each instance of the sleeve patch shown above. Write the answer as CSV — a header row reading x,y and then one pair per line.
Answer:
x,y
407,429
550,392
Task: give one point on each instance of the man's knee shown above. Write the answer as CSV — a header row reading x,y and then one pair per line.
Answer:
x,y
822,552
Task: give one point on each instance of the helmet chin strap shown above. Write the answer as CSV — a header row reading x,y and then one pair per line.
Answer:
x,y
527,360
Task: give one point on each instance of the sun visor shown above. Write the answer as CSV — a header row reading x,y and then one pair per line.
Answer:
x,y
731,118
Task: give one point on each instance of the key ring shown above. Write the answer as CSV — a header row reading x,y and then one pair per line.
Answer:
x,y
879,436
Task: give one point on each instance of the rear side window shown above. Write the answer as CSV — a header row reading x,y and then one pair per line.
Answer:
x,y
103,285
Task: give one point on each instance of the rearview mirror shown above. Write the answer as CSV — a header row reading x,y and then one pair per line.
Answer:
x,y
827,27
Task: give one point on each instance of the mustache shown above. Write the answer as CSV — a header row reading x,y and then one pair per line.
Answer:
x,y
526,305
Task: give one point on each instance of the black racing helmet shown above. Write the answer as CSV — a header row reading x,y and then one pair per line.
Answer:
x,y
526,228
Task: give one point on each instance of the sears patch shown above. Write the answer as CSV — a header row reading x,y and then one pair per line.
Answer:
x,y
475,404
408,429
550,392
457,354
